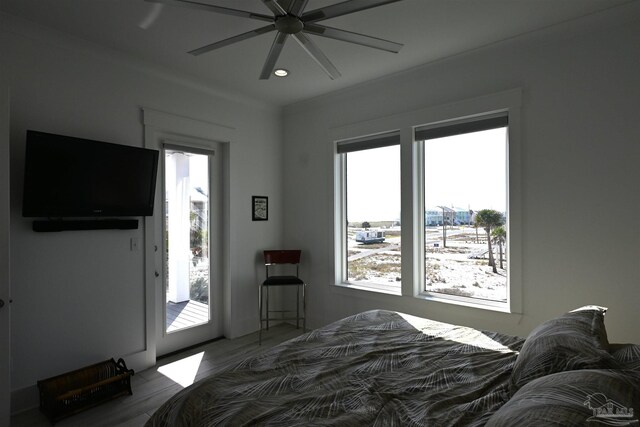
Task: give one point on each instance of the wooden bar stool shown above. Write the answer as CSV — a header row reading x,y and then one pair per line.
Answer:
x,y
279,257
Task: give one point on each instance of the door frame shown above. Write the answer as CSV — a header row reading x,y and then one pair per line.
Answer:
x,y
179,130
5,259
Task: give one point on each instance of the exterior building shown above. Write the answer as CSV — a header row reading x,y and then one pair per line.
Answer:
x,y
452,216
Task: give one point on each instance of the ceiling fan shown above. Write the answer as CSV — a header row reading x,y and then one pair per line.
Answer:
x,y
290,19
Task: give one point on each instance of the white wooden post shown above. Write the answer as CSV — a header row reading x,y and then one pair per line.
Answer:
x,y
178,189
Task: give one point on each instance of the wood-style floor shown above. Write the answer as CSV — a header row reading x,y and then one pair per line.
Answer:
x,y
185,314
151,387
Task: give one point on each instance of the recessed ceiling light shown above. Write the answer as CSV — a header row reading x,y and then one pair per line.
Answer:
x,y
281,72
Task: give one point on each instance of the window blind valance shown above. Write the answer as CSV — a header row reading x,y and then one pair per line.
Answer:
x,y
365,143
441,130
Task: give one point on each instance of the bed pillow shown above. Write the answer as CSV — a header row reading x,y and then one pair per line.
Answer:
x,y
574,398
575,340
627,356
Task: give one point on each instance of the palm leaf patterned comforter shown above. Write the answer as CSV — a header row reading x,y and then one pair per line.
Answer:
x,y
377,368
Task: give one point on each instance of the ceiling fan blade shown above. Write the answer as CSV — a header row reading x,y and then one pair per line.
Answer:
x,y
348,36
317,55
340,9
231,40
274,53
218,9
297,6
275,7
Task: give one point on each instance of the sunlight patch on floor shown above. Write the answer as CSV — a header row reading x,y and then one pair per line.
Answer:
x,y
183,371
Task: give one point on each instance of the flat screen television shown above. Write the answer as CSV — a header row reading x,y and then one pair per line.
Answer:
x,y
73,177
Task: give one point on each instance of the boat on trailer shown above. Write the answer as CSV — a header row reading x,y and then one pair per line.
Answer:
x,y
370,236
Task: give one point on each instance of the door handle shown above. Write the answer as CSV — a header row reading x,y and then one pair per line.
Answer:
x,y
1,303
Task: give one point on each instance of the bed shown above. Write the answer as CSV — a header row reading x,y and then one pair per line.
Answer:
x,y
384,368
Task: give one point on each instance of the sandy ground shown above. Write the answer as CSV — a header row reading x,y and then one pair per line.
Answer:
x,y
449,270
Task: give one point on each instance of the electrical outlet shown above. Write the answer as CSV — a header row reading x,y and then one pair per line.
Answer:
x,y
134,244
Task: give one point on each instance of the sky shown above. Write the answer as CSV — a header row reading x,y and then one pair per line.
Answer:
x,y
465,171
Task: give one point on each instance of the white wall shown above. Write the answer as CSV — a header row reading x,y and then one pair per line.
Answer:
x,y
580,154
79,296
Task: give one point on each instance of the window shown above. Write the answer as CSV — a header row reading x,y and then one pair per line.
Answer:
x,y
465,198
370,243
186,238
453,183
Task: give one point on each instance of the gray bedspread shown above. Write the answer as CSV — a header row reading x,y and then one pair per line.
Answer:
x,y
377,368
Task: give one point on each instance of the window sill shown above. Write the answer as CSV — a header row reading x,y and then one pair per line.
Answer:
x,y
466,302
381,293
370,287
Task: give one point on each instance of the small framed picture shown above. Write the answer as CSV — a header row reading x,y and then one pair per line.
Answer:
x,y
260,208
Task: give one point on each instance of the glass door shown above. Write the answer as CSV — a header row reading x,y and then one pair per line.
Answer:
x,y
186,239
190,233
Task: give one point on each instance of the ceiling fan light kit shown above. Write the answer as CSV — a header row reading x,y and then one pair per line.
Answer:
x,y
293,22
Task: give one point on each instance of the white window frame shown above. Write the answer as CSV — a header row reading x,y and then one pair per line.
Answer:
x,y
412,196
437,296
342,224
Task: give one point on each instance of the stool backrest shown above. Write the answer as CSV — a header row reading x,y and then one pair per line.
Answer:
x,y
282,257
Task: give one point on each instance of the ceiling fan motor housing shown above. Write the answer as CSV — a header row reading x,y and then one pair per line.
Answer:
x,y
289,24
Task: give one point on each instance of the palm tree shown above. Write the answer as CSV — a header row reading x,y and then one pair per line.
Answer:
x,y
489,218
500,236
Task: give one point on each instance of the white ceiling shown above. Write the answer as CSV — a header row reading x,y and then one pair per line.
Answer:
x,y
429,29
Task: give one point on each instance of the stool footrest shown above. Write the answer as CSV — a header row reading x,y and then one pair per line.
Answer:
x,y
298,315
